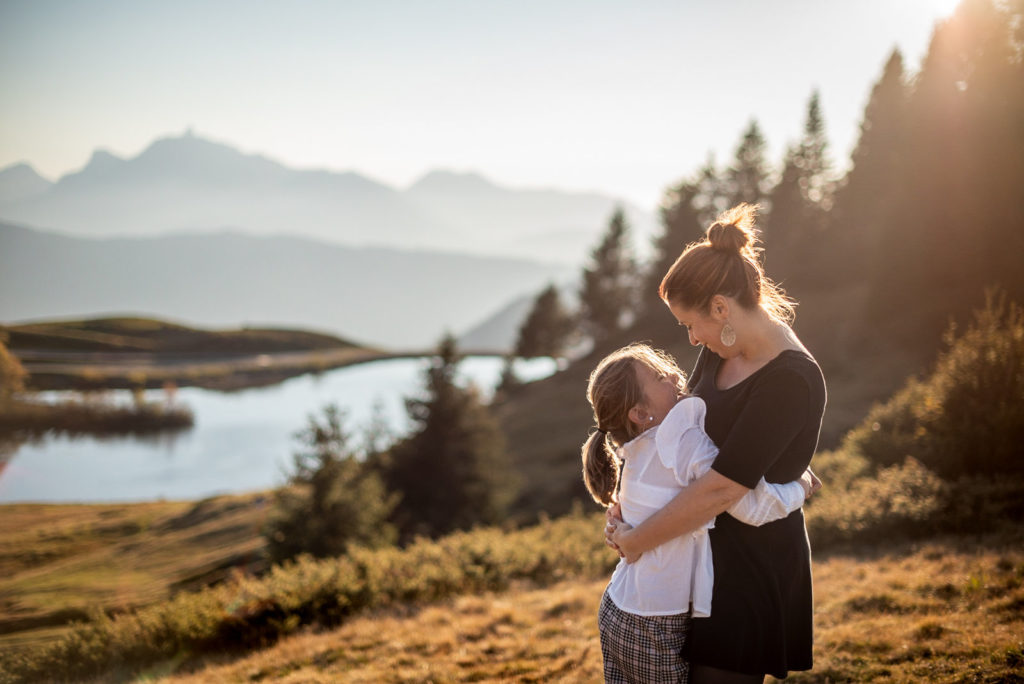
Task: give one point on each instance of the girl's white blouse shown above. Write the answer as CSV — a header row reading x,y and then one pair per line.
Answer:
x,y
656,465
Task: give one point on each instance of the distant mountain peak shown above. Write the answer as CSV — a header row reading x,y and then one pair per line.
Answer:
x,y
21,170
452,181
101,157
21,181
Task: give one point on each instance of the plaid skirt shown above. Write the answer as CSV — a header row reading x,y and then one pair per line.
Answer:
x,y
638,649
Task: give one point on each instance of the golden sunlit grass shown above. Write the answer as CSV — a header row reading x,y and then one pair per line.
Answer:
x,y
950,610
525,635
60,560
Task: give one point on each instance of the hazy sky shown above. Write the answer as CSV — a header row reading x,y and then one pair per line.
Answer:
x,y
621,96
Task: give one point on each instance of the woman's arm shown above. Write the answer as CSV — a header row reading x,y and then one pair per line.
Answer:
x,y
705,497
773,415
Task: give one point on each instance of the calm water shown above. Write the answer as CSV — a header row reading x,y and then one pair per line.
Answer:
x,y
241,441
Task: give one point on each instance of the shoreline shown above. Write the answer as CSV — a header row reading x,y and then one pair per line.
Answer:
x,y
206,371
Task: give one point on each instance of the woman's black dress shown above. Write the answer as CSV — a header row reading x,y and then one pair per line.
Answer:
x,y
761,608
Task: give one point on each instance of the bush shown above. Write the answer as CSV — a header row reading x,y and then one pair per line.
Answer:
x,y
248,612
967,417
333,499
902,500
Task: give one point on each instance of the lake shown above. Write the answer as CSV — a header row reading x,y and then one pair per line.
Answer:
x,y
242,441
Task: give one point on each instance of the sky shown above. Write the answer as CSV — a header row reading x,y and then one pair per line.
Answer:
x,y
621,97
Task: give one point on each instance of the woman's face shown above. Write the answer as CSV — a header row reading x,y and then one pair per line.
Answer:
x,y
661,392
701,328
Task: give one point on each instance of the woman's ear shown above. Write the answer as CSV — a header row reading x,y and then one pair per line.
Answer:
x,y
719,308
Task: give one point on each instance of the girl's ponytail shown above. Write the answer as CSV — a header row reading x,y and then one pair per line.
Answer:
x,y
600,468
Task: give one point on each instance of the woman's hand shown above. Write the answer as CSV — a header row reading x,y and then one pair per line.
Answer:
x,y
615,531
810,482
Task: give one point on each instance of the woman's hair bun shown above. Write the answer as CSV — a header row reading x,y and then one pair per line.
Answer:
x,y
727,237
733,232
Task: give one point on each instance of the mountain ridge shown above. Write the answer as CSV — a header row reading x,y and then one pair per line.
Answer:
x,y
391,297
191,183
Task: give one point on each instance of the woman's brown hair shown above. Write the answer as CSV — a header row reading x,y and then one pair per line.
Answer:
x,y
613,390
726,262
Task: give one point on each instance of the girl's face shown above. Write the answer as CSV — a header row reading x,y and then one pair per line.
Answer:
x,y
662,390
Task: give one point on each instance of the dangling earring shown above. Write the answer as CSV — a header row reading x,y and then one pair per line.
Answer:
x,y
728,335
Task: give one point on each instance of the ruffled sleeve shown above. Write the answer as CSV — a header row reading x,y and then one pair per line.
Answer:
x,y
683,446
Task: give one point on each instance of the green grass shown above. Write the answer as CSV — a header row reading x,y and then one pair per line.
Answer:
x,y
59,562
152,335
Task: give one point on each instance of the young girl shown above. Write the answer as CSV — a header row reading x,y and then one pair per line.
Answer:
x,y
657,433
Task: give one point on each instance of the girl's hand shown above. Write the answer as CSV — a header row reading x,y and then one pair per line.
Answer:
x,y
810,482
616,537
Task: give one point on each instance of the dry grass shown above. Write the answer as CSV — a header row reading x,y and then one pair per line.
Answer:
x,y
941,611
524,635
58,562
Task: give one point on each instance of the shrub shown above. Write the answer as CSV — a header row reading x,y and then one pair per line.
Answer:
x,y
904,500
967,417
333,499
248,612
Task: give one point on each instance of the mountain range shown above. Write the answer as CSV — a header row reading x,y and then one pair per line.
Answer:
x,y
194,185
389,297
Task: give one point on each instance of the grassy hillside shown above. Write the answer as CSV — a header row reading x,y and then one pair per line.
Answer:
x,y
60,563
130,353
946,611
132,335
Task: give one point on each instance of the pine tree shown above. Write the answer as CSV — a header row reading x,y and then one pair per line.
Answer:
x,y
956,227
871,190
710,193
547,327
609,282
747,178
452,470
681,226
332,499
795,229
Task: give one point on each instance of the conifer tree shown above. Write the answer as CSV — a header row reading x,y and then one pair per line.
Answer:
x,y
959,212
452,469
747,178
332,499
800,202
710,193
547,327
680,226
609,282
868,195
871,185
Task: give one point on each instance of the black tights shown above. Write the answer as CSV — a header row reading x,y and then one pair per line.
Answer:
x,y
702,674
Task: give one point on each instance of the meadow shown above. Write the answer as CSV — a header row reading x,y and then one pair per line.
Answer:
x,y
488,605
944,610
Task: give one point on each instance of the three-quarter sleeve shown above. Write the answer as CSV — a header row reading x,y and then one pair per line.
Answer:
x,y
775,413
768,502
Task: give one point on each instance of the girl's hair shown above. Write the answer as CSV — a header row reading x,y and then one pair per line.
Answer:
x,y
613,390
726,262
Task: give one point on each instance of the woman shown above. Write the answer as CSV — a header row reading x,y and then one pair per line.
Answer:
x,y
765,398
